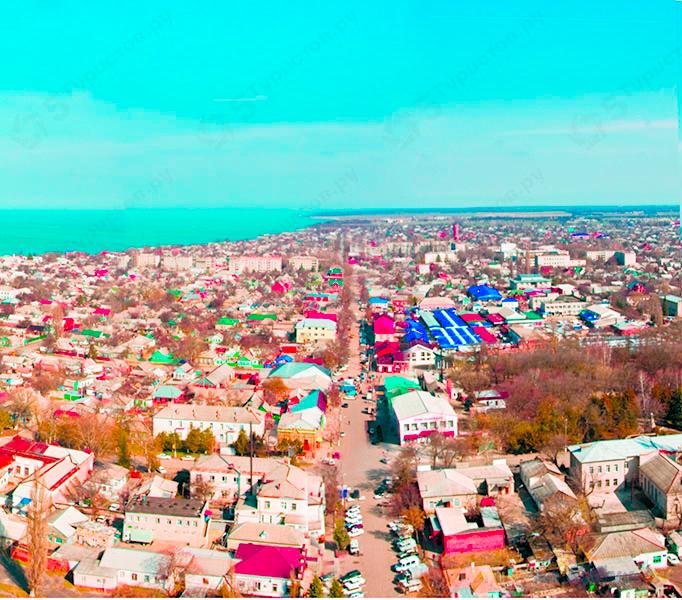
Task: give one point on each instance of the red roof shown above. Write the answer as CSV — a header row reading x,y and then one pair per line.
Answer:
x,y
495,319
471,317
484,334
384,325
268,561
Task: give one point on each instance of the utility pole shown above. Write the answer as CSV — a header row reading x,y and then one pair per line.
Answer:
x,y
251,456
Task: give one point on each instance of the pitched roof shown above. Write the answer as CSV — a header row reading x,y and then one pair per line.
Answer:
x,y
267,561
417,403
444,482
665,474
626,543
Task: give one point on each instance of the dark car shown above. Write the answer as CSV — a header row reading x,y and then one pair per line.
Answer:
x,y
344,405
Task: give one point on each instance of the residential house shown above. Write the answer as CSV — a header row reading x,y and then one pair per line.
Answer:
x,y
447,488
475,581
125,566
460,534
544,481
313,330
230,476
660,478
59,469
302,375
645,546
204,571
180,520
225,422
269,534
263,570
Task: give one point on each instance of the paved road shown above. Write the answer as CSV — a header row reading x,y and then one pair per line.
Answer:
x,y
361,468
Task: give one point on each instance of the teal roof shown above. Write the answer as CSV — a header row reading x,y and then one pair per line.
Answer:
x,y
167,391
622,449
292,369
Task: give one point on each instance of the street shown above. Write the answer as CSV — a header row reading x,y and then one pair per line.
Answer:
x,y
361,468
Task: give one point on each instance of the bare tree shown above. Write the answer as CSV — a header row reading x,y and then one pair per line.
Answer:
x,y
36,535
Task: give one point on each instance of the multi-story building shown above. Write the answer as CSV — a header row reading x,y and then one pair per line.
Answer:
x,y
307,263
418,414
225,422
180,520
603,467
312,330
559,305
256,264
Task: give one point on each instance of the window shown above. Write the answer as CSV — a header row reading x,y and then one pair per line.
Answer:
x,y
615,468
133,576
267,504
146,578
591,470
293,506
608,468
615,482
599,468
608,483
406,426
195,523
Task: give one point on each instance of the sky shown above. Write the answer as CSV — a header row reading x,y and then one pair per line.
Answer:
x,y
338,105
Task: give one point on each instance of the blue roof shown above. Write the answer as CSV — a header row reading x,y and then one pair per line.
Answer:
x,y
484,292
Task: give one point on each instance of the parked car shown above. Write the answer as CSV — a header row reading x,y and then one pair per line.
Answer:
x,y
114,507
344,405
356,531
354,547
406,563
351,576
163,456
161,469
673,559
354,584
188,458
411,586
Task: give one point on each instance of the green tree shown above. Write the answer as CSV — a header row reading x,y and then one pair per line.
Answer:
x,y
241,445
674,413
336,589
316,589
341,537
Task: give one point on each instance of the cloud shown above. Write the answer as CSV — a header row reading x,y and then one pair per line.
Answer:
x,y
463,155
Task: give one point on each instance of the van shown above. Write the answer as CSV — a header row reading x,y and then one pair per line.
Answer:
x,y
407,563
406,544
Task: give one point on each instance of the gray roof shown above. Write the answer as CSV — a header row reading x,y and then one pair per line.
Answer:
x,y
413,404
663,473
173,507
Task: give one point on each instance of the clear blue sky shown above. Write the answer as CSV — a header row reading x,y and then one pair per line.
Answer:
x,y
352,104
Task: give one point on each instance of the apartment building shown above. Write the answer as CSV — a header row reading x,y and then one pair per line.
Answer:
x,y
312,330
180,520
256,264
225,422
307,263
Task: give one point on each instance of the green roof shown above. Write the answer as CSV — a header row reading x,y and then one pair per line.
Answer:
x,y
532,315
159,357
227,321
261,316
92,333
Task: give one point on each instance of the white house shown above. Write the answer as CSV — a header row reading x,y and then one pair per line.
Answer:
x,y
420,355
124,566
225,422
311,330
418,414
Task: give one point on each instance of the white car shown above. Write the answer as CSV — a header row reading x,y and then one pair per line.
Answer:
x,y
673,559
354,547
188,458
163,456
350,523
161,469
114,507
354,583
355,531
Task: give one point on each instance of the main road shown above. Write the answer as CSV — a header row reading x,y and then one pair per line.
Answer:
x,y
361,468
